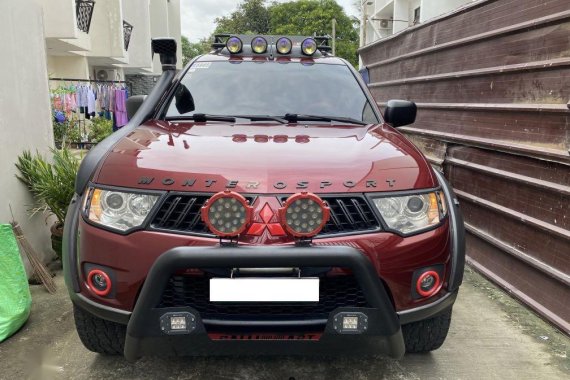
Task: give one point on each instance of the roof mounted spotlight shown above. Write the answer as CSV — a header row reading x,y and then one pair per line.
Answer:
x,y
259,45
309,46
166,48
234,45
284,45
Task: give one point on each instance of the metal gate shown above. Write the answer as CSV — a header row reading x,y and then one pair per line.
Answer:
x,y
492,85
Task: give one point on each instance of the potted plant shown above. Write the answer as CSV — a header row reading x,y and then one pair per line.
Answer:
x,y
52,185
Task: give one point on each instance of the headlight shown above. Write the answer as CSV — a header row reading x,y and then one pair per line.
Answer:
x,y
118,209
412,213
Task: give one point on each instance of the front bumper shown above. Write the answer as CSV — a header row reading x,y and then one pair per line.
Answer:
x,y
145,337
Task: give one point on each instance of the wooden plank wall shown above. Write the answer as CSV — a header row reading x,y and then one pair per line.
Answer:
x,y
492,85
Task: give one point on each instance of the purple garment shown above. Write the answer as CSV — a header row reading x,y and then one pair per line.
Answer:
x,y
121,108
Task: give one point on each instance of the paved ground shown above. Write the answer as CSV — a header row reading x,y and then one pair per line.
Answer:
x,y
491,337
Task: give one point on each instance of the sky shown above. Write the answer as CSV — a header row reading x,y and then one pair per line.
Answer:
x,y
198,15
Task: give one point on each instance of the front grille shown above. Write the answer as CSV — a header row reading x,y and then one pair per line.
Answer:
x,y
181,213
194,291
349,214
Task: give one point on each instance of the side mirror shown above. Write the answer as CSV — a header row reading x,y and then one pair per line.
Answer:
x,y
400,112
133,104
184,101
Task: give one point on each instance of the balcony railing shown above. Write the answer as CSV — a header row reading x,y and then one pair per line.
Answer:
x,y
127,31
84,12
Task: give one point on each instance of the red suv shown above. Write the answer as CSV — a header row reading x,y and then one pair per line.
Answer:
x,y
258,201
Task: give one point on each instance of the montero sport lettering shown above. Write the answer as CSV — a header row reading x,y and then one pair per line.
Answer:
x,y
280,185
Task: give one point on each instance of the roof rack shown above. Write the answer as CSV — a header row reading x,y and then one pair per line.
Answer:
x,y
220,41
323,42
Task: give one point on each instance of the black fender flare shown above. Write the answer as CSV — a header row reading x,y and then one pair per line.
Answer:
x,y
457,232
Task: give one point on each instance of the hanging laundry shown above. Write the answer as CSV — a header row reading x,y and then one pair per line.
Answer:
x,y
121,108
90,102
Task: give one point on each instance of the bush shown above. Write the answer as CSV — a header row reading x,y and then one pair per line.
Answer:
x,y
100,129
51,184
66,132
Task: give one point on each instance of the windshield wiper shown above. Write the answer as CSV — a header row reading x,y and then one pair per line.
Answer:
x,y
294,118
263,118
202,118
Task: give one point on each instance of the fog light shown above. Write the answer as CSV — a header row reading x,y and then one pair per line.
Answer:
x,y
227,214
99,282
304,215
350,323
428,283
178,323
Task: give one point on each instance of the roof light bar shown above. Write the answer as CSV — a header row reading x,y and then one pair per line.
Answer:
x,y
284,45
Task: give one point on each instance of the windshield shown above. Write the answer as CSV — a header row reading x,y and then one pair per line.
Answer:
x,y
270,88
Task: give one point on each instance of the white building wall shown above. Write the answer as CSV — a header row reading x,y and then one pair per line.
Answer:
x,y
175,28
59,18
67,67
137,13
399,14
159,23
434,8
413,5
107,30
25,121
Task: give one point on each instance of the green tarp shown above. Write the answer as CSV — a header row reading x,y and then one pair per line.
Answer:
x,y
15,298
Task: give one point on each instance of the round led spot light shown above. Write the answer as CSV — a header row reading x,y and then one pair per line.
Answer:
x,y
309,46
428,283
284,45
234,45
304,215
259,45
227,214
99,282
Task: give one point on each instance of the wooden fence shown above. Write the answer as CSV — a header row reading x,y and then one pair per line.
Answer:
x,y
492,85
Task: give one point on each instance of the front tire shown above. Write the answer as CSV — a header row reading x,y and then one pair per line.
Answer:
x,y
99,335
426,335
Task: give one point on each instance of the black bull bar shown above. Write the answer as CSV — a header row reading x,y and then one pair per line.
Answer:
x,y
144,336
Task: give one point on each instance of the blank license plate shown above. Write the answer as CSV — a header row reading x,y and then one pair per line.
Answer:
x,y
264,290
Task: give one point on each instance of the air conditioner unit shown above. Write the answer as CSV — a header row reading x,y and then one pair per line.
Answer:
x,y
105,74
385,24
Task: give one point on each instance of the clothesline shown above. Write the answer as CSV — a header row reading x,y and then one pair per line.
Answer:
x,y
86,80
93,99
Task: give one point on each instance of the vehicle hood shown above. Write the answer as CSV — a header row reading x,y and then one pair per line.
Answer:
x,y
265,158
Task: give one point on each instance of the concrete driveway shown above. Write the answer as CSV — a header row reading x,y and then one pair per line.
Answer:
x,y
491,337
